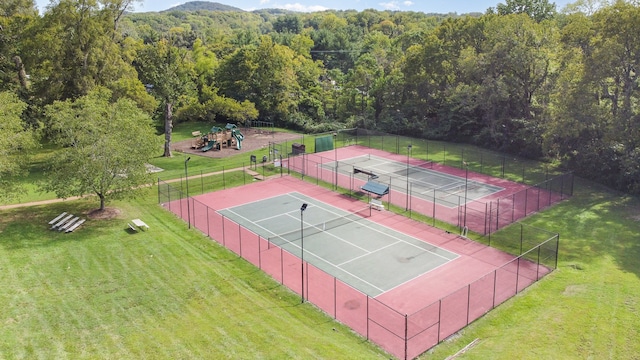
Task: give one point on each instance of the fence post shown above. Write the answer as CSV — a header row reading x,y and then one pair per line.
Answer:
x,y
518,274
538,264
444,154
538,200
406,335
526,200
495,283
521,236
497,217
434,207
240,239
468,302
557,248
335,297
485,218
439,318
368,317
410,192
168,196
224,236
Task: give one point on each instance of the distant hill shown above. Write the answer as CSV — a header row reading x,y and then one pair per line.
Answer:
x,y
203,5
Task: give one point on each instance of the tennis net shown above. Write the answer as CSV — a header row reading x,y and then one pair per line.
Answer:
x,y
292,236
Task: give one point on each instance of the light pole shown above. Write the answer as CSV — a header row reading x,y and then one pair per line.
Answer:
x,y
186,179
408,155
335,148
466,182
302,209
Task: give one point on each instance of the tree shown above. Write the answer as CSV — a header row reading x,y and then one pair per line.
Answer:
x,y
15,17
265,75
16,140
288,23
538,10
168,71
105,146
84,49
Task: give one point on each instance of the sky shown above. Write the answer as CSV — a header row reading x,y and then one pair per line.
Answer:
x,y
426,6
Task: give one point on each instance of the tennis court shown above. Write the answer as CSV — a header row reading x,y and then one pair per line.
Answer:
x,y
402,284
424,181
368,256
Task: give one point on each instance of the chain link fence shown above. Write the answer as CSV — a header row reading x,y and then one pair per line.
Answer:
x,y
403,335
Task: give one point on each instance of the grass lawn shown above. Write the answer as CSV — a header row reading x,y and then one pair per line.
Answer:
x,y
587,309
167,293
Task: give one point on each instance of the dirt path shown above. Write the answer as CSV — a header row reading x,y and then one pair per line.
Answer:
x,y
52,201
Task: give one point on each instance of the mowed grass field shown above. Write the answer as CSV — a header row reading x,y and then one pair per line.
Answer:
x,y
589,308
167,293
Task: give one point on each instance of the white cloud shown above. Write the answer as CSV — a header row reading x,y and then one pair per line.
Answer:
x,y
264,2
392,5
302,8
408,3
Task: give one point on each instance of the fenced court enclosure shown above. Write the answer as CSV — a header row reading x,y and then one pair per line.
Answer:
x,y
471,191
402,284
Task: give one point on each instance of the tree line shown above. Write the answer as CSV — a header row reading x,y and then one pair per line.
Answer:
x,y
523,77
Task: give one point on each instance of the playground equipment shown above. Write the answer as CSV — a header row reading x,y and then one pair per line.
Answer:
x,y
236,134
218,137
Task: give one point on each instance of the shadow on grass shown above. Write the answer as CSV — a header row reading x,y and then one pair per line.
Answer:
x,y
596,222
28,227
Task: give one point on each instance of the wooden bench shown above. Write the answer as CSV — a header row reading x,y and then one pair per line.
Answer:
x,y
377,204
196,133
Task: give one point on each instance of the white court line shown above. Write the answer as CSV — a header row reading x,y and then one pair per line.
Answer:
x,y
338,266
253,202
417,276
316,256
358,257
391,236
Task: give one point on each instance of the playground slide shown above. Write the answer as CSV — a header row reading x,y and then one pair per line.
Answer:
x,y
239,137
209,146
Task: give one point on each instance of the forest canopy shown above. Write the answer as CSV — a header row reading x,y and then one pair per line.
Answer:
x,y
524,77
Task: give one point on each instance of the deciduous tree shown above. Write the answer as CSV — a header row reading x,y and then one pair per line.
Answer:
x,y
105,147
16,141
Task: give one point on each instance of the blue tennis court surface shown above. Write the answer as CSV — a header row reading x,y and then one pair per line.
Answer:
x,y
368,256
424,181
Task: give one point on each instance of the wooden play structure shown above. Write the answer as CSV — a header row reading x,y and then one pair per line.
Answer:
x,y
218,137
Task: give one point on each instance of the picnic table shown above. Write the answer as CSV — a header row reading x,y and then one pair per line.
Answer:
x,y
140,224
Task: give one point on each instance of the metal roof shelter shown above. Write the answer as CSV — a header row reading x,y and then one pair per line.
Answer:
x,y
376,188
